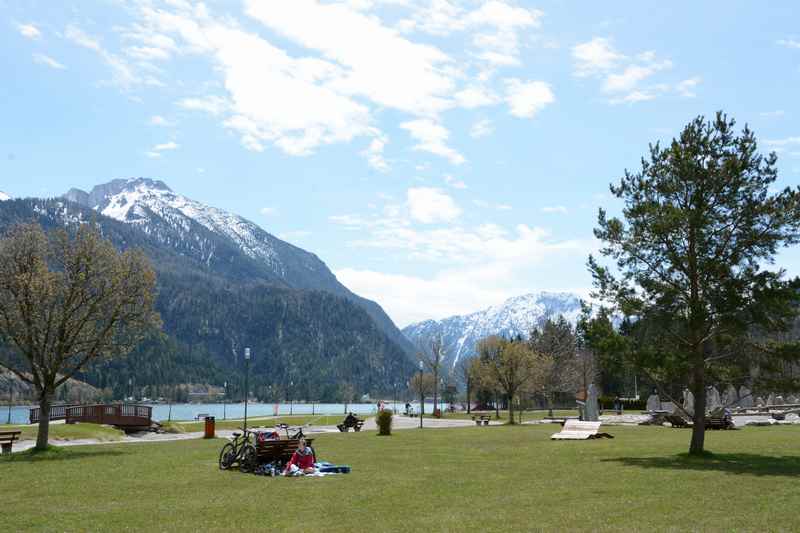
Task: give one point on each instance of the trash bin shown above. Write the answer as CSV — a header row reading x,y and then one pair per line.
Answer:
x,y
210,426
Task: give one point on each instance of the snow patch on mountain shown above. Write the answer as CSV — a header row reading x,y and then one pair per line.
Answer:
x,y
4,196
516,316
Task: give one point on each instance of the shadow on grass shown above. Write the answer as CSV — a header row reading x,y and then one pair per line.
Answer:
x,y
55,453
730,463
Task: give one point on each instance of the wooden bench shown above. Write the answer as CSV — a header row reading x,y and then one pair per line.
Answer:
x,y
483,419
578,430
201,416
278,449
7,440
678,421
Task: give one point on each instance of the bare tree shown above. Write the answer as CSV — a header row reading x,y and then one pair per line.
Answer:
x,y
433,359
468,368
557,339
513,366
67,301
422,385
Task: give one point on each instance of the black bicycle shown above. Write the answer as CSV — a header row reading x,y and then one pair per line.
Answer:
x,y
239,451
296,435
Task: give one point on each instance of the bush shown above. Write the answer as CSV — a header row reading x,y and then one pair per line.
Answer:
x,y
384,421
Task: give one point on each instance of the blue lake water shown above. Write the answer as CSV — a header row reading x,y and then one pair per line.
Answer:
x,y
20,415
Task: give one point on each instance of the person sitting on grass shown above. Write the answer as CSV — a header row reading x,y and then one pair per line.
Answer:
x,y
302,461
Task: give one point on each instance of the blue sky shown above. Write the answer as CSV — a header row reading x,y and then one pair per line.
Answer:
x,y
439,156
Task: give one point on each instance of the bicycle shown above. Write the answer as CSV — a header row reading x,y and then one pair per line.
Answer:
x,y
297,435
241,451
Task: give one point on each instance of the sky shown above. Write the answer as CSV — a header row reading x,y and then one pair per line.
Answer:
x,y
440,156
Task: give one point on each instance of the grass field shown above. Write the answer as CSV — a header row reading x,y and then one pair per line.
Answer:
x,y
69,432
471,479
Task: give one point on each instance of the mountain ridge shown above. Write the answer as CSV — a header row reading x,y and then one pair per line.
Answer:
x,y
516,316
204,231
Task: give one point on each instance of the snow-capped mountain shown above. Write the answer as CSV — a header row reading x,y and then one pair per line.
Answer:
x,y
4,196
219,240
516,316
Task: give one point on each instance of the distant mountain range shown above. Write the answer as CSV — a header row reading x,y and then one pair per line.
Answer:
x,y
225,283
516,316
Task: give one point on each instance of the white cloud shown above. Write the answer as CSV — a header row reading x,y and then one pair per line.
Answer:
x,y
429,205
487,205
525,99
686,87
475,96
171,145
122,74
372,60
214,105
454,182
269,211
158,120
153,155
29,30
484,266
624,78
432,137
629,79
374,153
772,114
595,57
781,145
789,43
46,60
481,128
555,209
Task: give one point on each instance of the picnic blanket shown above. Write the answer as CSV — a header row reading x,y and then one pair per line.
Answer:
x,y
322,469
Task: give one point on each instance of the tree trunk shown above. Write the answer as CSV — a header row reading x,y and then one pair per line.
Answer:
x,y
496,406
511,419
468,391
699,391
45,399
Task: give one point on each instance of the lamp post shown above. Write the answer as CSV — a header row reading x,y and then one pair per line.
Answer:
x,y
246,382
225,402
291,399
421,396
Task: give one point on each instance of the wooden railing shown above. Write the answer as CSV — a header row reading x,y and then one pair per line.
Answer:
x,y
115,414
57,412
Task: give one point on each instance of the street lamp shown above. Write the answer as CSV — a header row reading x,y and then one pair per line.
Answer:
x,y
291,399
421,396
225,402
246,382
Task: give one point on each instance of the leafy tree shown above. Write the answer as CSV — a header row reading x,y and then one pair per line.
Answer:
x,y
700,228
67,301
512,366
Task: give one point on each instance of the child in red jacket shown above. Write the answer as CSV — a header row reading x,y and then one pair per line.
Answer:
x,y
302,461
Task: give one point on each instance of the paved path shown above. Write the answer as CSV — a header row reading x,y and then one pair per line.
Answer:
x,y
399,423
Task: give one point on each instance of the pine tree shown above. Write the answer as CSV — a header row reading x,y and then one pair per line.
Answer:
x,y
701,226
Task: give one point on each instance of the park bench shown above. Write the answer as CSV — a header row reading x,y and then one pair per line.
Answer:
x,y
280,450
578,430
482,419
201,416
355,423
7,440
678,421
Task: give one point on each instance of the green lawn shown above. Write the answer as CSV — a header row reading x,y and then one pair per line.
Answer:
x,y
470,479
69,432
294,421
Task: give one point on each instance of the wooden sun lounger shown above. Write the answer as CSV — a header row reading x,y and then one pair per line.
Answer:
x,y
577,430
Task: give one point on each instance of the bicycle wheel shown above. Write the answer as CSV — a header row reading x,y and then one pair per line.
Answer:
x,y
227,456
248,459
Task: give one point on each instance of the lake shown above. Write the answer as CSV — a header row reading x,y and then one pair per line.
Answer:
x,y
20,415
